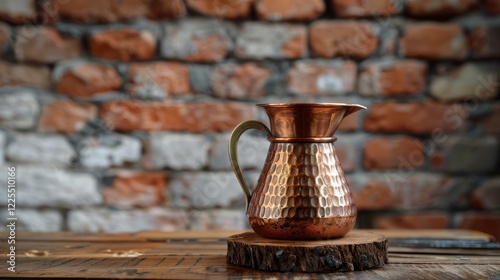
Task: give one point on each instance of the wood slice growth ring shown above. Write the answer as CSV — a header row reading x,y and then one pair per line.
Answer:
x,y
358,250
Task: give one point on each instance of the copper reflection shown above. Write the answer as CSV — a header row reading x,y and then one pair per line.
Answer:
x,y
302,192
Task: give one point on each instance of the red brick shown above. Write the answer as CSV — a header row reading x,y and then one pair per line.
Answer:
x,y
487,195
343,38
393,78
89,11
160,9
407,189
87,80
239,81
375,196
372,8
412,221
136,189
491,122
101,11
5,39
277,10
439,8
171,78
128,115
492,7
266,40
434,41
66,117
44,45
19,75
484,222
229,9
393,153
18,11
483,41
419,118
123,44
322,77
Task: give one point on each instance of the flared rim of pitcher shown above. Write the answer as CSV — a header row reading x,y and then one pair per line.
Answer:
x,y
310,104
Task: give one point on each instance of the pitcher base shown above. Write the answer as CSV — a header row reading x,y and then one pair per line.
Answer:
x,y
303,229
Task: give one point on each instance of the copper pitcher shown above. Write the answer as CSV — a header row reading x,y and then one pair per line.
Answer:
x,y
302,192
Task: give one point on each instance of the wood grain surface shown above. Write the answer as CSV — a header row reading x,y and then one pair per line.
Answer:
x,y
202,255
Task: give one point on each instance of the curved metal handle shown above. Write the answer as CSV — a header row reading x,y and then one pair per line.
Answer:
x,y
233,151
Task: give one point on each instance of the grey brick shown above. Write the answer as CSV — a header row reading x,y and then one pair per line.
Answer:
x,y
477,81
199,78
460,154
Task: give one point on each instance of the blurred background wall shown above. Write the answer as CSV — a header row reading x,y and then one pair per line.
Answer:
x,y
117,113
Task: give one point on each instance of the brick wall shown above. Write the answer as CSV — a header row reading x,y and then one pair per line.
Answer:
x,y
117,113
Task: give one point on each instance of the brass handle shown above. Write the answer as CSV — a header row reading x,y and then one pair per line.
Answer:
x,y
233,151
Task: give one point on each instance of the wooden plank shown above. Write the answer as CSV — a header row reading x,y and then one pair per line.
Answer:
x,y
162,236
188,234
77,236
442,259
461,234
201,255
96,250
444,251
215,267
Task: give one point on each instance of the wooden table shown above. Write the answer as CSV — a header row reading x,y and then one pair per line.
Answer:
x,y
413,254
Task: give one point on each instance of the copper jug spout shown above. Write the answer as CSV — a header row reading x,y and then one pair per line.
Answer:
x,y
307,121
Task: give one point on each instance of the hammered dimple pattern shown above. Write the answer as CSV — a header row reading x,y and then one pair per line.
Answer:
x,y
302,193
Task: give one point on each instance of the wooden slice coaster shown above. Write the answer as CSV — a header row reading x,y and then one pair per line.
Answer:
x,y
358,250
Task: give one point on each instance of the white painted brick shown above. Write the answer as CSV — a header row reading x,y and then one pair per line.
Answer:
x,y
51,187
107,220
206,190
259,40
40,148
179,36
252,152
2,147
109,150
35,220
179,151
19,109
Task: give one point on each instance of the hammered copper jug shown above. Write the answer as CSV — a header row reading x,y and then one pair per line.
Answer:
x,y
302,192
